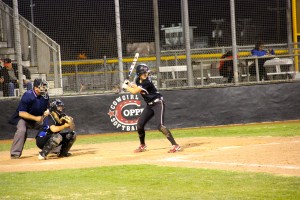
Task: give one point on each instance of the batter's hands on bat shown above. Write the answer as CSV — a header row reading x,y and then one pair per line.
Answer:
x,y
124,86
127,81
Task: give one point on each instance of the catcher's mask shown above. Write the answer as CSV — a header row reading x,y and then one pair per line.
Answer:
x,y
57,106
43,87
142,69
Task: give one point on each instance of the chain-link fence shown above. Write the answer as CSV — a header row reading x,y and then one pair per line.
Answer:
x,y
158,30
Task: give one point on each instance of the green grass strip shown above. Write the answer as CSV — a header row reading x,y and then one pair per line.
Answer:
x,y
146,182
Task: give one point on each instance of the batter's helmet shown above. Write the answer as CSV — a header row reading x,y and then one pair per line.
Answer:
x,y
142,69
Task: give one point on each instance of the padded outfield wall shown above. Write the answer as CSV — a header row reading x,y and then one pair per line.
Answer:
x,y
184,108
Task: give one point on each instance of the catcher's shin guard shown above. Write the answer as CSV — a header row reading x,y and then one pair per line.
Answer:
x,y
67,144
51,144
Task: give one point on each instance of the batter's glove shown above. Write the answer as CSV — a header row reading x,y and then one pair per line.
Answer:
x,y
125,85
127,81
69,120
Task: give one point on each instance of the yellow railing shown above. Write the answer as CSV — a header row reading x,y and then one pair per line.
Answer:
x,y
163,58
295,35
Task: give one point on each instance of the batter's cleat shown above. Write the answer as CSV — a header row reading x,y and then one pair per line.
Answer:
x,y
174,148
141,148
42,156
61,155
14,157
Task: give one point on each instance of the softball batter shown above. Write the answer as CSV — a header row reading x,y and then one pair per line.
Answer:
x,y
155,107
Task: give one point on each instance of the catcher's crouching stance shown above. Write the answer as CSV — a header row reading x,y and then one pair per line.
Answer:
x,y
51,135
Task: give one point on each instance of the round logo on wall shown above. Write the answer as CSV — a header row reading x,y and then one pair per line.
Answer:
x,y
125,111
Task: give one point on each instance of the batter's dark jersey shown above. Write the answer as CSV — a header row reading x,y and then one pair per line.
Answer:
x,y
31,103
149,91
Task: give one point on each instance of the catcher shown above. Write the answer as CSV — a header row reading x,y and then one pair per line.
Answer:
x,y
52,133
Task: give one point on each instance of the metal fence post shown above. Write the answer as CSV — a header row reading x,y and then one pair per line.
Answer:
x,y
18,44
157,41
201,71
105,71
233,36
257,69
187,43
119,41
77,78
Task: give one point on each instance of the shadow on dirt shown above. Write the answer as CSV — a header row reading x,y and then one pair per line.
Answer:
x,y
190,145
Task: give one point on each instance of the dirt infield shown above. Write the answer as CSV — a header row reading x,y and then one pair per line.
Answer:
x,y
276,155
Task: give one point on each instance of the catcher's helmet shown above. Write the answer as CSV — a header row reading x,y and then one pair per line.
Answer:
x,y
55,104
142,69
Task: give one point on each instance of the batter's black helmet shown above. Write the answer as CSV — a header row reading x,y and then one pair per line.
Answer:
x,y
142,69
56,103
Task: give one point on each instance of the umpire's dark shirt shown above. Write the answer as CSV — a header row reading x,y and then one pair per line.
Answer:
x,y
31,103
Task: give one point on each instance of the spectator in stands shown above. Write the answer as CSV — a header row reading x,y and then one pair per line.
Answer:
x,y
1,79
260,52
1,64
9,77
226,66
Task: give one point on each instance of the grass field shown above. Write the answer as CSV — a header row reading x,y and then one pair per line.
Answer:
x,y
155,182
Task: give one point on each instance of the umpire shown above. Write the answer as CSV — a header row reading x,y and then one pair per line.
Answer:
x,y
29,115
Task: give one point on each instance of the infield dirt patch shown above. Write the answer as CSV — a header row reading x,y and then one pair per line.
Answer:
x,y
277,155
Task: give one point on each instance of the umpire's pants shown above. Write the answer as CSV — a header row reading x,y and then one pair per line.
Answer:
x,y
21,135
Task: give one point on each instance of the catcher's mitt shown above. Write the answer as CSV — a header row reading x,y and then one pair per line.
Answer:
x,y
69,120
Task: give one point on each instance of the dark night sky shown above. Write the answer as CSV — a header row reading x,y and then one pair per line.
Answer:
x,y
89,25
